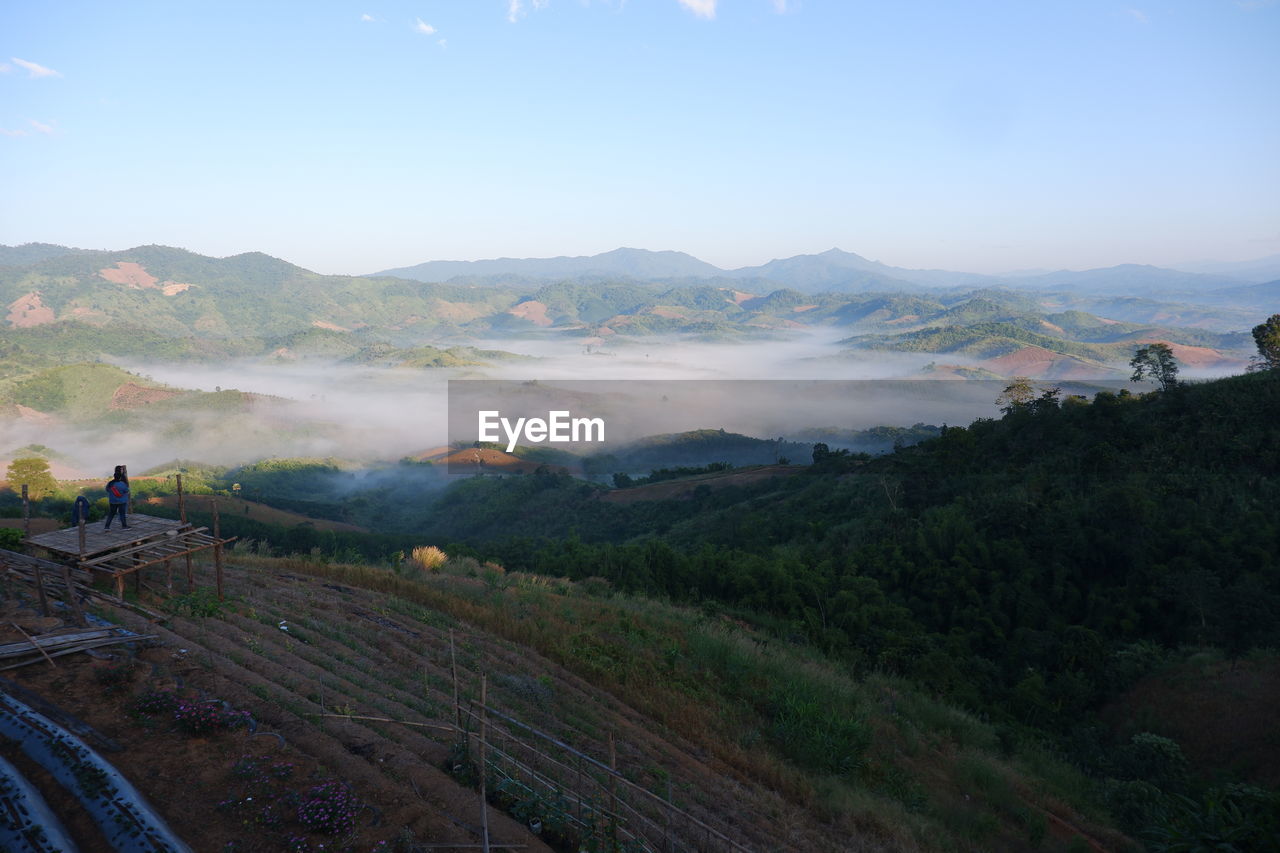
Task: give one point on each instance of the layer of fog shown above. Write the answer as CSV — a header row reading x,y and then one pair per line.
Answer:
x,y
369,414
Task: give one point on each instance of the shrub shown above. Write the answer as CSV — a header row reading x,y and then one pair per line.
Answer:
x,y
429,558
329,808
198,718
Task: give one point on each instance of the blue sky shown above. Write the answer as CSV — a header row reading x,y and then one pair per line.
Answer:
x,y
352,137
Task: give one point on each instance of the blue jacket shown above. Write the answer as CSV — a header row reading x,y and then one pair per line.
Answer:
x,y
118,492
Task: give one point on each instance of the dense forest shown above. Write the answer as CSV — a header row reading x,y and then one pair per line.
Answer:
x,y
1030,568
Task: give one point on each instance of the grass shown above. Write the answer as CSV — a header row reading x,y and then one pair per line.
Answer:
x,y
877,756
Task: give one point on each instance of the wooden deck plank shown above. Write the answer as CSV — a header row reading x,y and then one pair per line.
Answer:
x,y
98,541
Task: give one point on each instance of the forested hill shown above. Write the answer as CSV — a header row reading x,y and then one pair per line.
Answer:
x,y
1043,542
1032,568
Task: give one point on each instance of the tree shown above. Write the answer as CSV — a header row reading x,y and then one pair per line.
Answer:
x,y
1015,395
1155,361
33,471
1267,337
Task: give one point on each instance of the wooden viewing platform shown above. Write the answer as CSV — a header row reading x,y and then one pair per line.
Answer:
x,y
121,551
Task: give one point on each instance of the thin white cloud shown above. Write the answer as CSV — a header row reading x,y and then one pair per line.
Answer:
x,y
780,6
5,68
4,131
424,28
701,8
442,42
367,18
1138,15
34,69
516,8
41,126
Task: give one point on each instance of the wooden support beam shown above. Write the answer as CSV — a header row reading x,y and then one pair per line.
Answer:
x,y
72,601
26,526
217,549
484,770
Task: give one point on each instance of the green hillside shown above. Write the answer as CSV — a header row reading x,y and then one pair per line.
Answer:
x,y
1029,568
159,302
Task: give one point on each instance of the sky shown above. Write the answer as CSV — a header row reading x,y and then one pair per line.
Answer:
x,y
351,137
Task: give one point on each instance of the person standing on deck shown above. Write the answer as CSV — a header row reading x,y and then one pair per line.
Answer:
x,y
118,499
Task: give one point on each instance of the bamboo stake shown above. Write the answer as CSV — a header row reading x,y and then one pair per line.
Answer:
x,y
34,643
182,516
217,549
26,526
453,662
484,804
386,720
613,793
71,598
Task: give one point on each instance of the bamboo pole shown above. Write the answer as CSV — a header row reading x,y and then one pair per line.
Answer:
x,y
622,779
182,516
457,710
71,598
217,549
613,792
484,721
26,526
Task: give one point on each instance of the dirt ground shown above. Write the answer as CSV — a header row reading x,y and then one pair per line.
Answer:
x,y
290,649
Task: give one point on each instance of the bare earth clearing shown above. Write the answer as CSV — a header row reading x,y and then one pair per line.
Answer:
x,y
353,652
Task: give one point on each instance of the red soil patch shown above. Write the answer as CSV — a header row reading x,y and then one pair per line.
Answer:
x,y
173,288
1028,361
1193,356
802,308
131,275
133,396
486,460
332,327
261,512
35,416
1053,327
38,525
669,313
27,311
684,488
739,297
460,312
533,311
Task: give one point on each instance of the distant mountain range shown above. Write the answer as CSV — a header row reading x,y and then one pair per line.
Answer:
x,y
837,271
59,305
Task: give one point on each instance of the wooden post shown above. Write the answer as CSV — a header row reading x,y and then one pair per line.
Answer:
x,y
217,549
71,598
453,663
666,830
484,723
613,795
26,527
182,502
